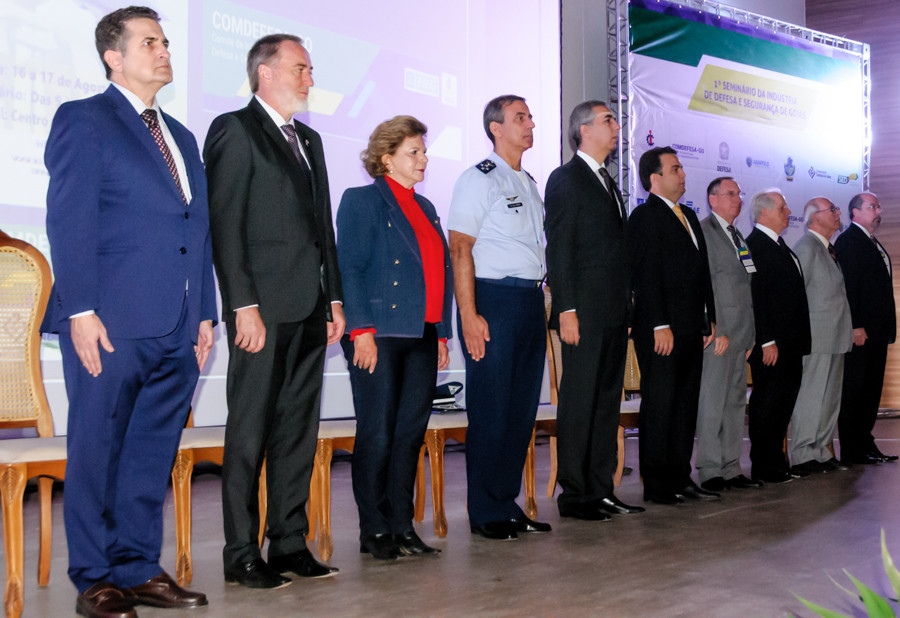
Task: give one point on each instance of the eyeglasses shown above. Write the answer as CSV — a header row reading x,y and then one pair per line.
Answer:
x,y
732,194
877,207
833,209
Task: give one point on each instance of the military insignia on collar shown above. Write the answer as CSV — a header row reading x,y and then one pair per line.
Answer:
x,y
486,166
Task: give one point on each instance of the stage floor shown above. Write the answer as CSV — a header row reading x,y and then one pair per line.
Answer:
x,y
746,555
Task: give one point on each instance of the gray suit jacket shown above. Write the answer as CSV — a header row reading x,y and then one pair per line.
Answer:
x,y
829,311
731,287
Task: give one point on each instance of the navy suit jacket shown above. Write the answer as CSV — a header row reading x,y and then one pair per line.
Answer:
x,y
870,290
123,241
670,275
587,259
381,265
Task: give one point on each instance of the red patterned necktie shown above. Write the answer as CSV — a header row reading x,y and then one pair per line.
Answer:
x,y
149,117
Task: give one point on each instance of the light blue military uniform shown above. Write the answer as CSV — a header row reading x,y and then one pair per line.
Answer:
x,y
502,209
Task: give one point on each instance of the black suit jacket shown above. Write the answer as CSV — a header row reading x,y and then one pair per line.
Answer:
x,y
780,309
587,260
270,217
870,290
670,276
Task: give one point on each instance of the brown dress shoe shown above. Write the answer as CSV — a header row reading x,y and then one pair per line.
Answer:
x,y
104,600
162,591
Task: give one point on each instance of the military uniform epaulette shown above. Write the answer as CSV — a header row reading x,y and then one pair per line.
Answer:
x,y
486,166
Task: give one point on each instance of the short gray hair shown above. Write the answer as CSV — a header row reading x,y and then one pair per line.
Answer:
x,y
262,52
582,114
763,200
493,111
811,208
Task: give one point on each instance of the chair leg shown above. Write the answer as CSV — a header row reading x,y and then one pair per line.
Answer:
x,y
434,441
312,503
45,491
620,455
530,502
181,499
419,513
12,490
263,503
554,469
324,453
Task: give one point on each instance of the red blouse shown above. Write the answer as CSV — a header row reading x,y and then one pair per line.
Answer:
x,y
430,247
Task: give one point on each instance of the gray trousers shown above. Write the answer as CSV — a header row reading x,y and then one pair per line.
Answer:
x,y
720,417
816,411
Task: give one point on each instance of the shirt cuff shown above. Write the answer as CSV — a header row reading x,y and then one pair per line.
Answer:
x,y
246,307
768,343
661,327
356,332
83,313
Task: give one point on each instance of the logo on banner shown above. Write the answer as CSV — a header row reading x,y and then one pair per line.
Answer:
x,y
650,137
789,170
757,162
814,173
688,151
842,180
724,151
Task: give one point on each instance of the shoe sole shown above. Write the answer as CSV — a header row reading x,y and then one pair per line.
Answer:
x,y
231,581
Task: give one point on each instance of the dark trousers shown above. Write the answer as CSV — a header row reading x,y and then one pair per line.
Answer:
x,y
587,420
273,413
503,390
772,402
863,381
393,405
123,432
670,392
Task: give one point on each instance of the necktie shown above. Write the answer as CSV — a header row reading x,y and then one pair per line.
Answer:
x,y
680,215
149,117
291,135
832,253
881,252
735,237
613,191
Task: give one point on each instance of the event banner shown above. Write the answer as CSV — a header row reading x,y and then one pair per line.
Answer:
x,y
768,109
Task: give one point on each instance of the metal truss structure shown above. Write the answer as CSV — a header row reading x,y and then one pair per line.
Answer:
x,y
617,46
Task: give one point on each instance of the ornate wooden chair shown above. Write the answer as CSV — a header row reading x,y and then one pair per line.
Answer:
x,y
25,282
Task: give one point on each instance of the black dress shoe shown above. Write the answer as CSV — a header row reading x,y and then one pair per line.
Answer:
x,y
742,482
104,600
877,453
716,483
692,492
796,474
522,524
496,530
255,574
410,544
834,464
866,460
381,546
162,591
302,563
586,512
809,467
613,505
662,497
775,476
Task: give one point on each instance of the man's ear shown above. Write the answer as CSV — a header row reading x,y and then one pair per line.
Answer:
x,y
113,59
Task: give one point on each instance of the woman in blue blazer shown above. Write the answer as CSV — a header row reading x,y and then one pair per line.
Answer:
x,y
398,286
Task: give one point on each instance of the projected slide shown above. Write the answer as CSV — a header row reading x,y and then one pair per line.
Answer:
x,y
371,61
768,109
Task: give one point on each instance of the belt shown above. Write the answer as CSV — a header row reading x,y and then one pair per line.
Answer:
x,y
513,282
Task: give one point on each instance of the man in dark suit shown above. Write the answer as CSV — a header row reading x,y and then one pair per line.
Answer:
x,y
867,272
674,320
134,304
782,337
274,251
587,270
723,385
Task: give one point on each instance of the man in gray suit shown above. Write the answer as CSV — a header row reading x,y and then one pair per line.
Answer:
x,y
723,384
818,402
